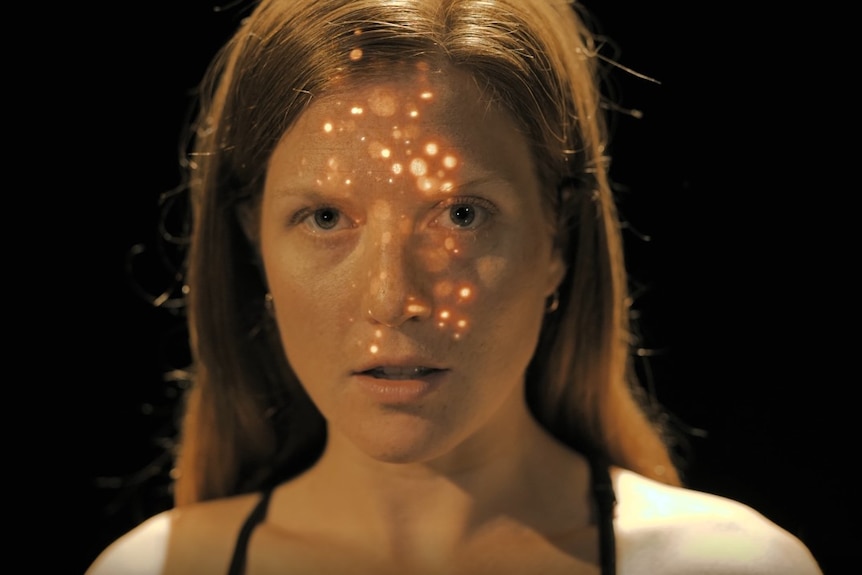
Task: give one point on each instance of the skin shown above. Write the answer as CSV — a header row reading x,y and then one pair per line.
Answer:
x,y
441,473
402,227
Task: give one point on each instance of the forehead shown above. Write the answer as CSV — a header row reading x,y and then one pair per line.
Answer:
x,y
428,124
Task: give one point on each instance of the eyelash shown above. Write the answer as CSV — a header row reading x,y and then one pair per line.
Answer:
x,y
489,209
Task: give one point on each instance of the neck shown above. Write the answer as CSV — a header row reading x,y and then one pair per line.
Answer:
x,y
511,473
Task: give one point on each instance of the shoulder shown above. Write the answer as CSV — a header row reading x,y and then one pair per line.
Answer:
x,y
141,551
672,529
199,537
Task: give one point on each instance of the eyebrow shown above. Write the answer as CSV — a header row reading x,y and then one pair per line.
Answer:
x,y
309,189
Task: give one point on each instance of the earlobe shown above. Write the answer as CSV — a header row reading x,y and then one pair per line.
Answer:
x,y
556,272
246,215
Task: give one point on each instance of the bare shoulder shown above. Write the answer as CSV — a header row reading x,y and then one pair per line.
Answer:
x,y
666,529
195,538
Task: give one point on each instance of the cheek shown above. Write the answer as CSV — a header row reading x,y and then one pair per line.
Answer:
x,y
310,303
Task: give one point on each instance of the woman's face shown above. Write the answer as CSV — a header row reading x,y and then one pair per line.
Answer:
x,y
409,260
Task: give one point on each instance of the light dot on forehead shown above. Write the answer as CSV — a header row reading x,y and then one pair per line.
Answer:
x,y
327,127
465,292
383,102
431,149
356,110
425,184
450,161
418,167
426,95
373,348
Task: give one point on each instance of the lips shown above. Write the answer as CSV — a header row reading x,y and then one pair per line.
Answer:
x,y
399,372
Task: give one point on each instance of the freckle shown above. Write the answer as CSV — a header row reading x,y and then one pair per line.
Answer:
x,y
356,54
373,348
450,162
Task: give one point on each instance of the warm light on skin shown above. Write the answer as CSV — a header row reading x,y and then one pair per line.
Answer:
x,y
394,267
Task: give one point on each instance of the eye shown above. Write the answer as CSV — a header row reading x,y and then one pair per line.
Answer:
x,y
326,218
321,219
465,213
462,215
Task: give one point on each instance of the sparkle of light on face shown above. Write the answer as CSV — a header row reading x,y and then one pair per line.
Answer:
x,y
372,257
418,167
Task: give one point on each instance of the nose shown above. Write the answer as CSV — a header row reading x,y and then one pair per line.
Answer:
x,y
397,287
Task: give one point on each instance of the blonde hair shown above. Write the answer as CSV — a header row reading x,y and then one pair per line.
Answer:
x,y
247,421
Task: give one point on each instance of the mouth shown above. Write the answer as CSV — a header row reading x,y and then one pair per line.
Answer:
x,y
399,372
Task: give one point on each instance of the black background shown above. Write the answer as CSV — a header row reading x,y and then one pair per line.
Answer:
x,y
745,296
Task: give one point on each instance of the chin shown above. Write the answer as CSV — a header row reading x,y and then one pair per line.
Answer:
x,y
410,442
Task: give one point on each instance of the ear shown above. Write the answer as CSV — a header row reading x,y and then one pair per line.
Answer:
x,y
247,216
556,272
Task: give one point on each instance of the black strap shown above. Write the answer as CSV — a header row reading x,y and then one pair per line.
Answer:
x,y
603,494
257,515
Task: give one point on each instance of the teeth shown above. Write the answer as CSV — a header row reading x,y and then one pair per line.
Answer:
x,y
400,372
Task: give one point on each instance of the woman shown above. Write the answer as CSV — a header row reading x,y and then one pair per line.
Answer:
x,y
409,314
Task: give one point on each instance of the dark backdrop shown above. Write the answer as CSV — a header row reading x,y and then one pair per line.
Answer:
x,y
739,291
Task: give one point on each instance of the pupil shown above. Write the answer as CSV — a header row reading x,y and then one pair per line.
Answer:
x,y
326,218
463,215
